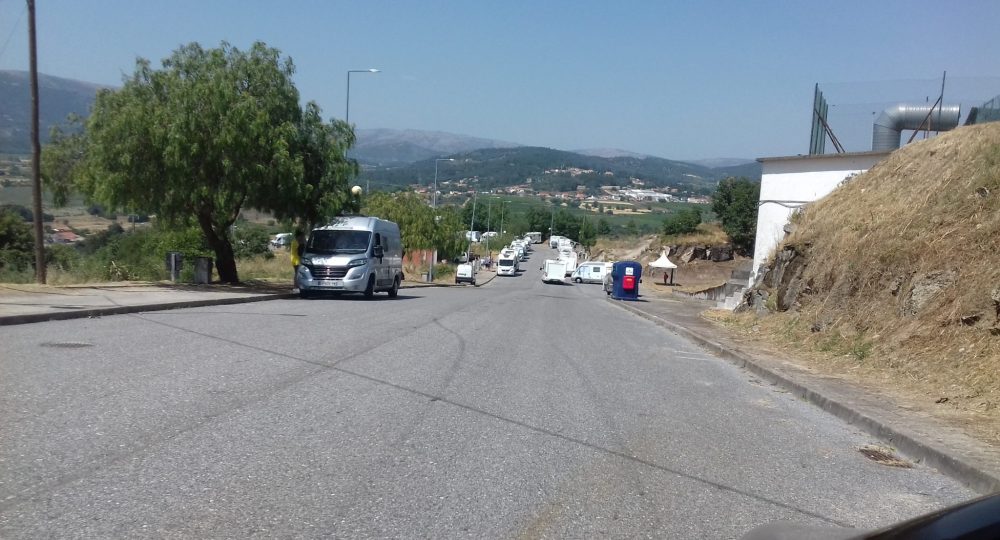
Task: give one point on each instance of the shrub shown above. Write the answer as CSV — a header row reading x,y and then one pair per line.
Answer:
x,y
685,221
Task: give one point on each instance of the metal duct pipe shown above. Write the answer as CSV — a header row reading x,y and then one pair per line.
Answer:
x,y
890,124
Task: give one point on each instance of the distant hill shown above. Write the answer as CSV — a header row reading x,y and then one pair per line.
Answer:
x,y
400,156
751,170
547,169
393,147
717,163
57,98
610,153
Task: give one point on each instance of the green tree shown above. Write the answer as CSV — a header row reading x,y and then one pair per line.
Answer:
x,y
603,227
683,222
735,202
538,219
212,132
16,242
420,226
327,170
566,224
588,234
631,229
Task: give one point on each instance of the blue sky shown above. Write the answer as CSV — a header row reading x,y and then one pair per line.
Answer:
x,y
682,80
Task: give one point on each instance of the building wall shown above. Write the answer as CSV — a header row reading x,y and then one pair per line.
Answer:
x,y
788,183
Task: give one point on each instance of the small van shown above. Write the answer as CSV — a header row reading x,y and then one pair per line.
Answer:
x,y
466,273
352,254
590,272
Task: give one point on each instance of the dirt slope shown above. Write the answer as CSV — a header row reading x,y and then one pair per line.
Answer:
x,y
895,277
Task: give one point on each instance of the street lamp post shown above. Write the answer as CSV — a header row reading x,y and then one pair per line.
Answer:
x,y
434,196
434,205
347,113
472,223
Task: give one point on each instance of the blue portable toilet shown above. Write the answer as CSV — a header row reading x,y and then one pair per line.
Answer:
x,y
625,276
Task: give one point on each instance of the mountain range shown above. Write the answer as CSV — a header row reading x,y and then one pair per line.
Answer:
x,y
395,156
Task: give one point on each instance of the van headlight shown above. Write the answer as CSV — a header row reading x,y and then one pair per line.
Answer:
x,y
357,262
306,261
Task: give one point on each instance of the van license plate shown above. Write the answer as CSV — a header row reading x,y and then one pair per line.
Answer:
x,y
331,283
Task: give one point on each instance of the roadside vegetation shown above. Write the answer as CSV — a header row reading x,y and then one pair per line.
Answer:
x,y
894,279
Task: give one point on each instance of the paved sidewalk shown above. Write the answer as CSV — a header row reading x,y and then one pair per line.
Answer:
x,y
29,303
916,434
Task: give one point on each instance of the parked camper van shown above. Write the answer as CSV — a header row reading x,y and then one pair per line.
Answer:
x,y
553,271
569,257
507,263
554,241
352,254
535,237
591,272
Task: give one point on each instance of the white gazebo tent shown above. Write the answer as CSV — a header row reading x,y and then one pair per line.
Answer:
x,y
664,263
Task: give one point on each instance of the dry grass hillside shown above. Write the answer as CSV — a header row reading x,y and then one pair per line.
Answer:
x,y
895,277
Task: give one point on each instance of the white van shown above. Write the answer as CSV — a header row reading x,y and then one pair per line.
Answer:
x,y
507,263
466,273
352,254
591,272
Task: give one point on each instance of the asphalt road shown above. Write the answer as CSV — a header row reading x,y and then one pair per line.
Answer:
x,y
513,410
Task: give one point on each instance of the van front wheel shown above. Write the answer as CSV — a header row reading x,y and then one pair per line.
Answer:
x,y
370,289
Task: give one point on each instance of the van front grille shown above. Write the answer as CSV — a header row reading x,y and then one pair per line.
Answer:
x,y
327,272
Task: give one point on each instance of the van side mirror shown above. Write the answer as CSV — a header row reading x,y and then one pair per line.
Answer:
x,y
377,252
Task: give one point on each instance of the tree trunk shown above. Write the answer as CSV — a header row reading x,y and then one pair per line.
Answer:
x,y
225,260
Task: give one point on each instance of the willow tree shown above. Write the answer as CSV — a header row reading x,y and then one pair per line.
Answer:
x,y
212,132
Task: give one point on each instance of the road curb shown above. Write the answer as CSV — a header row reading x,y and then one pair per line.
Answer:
x,y
485,282
969,474
28,318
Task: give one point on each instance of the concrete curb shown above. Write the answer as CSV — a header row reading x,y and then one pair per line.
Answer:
x,y
969,474
120,310
480,284
28,318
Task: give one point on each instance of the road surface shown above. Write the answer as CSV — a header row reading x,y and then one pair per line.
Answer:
x,y
513,410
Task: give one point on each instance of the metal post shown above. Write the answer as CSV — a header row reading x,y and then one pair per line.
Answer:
x,y
347,112
501,216
472,222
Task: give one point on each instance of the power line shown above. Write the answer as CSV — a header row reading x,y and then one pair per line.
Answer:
x,y
12,30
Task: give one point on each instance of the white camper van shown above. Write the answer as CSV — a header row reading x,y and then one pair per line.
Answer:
x,y
554,271
591,272
535,237
554,241
507,263
352,254
569,257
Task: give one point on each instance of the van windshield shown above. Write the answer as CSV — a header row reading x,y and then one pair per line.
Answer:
x,y
506,262
327,242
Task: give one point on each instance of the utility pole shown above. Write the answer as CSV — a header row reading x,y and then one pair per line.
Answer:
x,y
501,216
472,222
36,150
489,211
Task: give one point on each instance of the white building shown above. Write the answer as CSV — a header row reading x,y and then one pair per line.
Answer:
x,y
788,183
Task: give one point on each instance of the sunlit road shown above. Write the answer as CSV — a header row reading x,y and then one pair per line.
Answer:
x,y
513,410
